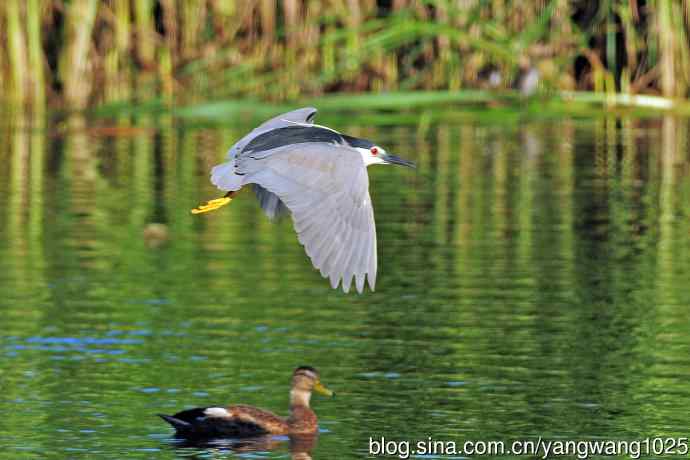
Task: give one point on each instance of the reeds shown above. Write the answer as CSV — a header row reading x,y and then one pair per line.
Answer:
x,y
75,64
85,52
16,51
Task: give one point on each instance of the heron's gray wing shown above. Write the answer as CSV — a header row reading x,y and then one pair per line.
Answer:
x,y
223,175
270,203
326,189
304,115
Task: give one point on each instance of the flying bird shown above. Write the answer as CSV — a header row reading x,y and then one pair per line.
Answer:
x,y
319,177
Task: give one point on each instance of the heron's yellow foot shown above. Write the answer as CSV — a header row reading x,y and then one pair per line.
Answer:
x,y
212,205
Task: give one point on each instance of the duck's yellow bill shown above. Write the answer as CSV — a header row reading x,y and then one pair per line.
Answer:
x,y
212,205
319,388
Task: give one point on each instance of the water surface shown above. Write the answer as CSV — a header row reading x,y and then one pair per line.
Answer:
x,y
534,280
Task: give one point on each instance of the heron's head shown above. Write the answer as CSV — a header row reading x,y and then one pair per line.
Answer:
x,y
374,154
306,379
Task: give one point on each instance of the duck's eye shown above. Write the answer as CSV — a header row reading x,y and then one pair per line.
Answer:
x,y
374,151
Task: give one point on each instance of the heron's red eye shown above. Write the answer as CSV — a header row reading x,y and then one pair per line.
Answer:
x,y
374,151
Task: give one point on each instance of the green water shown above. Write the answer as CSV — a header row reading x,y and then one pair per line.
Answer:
x,y
534,280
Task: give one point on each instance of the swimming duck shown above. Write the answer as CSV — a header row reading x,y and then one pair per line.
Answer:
x,y
247,421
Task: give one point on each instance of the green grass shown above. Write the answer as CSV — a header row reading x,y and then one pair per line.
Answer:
x,y
416,107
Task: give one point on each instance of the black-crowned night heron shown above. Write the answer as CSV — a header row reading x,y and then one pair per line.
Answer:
x,y
319,176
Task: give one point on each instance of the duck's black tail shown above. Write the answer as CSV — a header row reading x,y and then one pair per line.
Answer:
x,y
180,426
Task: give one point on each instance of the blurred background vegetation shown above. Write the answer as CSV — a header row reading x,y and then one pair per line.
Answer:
x,y
77,53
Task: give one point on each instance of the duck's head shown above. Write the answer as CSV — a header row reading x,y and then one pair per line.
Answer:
x,y
306,379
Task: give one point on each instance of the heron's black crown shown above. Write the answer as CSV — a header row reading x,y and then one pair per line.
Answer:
x,y
357,142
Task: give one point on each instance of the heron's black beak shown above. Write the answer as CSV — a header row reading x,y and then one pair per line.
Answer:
x,y
395,160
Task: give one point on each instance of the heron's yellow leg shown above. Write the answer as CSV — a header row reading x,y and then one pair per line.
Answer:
x,y
212,205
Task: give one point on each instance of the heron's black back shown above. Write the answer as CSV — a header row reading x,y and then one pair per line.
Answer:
x,y
357,142
290,135
298,134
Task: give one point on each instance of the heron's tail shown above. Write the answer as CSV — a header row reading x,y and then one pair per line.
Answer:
x,y
223,176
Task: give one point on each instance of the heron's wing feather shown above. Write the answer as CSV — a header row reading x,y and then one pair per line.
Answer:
x,y
224,175
326,189
270,203
304,115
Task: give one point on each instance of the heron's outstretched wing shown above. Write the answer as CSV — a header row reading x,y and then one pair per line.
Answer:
x,y
223,175
270,203
326,189
304,115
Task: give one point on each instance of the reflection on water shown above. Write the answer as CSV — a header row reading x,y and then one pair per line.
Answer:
x,y
299,447
534,281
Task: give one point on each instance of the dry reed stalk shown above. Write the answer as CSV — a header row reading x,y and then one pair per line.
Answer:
x,y
145,32
667,44
36,61
170,22
16,47
267,11
3,85
193,17
74,63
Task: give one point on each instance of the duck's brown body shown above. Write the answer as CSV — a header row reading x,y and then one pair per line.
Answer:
x,y
265,420
247,421
302,420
